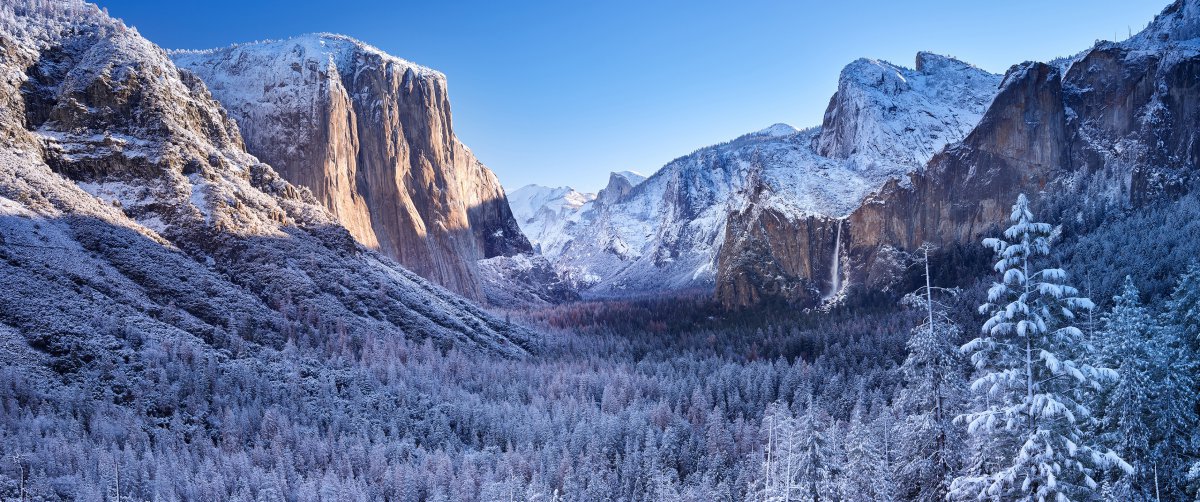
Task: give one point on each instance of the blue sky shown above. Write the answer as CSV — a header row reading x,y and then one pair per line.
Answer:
x,y
561,93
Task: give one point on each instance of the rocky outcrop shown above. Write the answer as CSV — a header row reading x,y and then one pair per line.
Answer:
x,y
371,136
776,256
619,185
885,114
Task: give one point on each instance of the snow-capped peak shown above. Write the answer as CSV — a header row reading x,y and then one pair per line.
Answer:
x,y
620,184
930,63
633,177
887,115
777,130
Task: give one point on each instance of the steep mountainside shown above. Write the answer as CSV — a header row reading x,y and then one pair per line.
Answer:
x,y
131,214
371,136
1114,126
671,231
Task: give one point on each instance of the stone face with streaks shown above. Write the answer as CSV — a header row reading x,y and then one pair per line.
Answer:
x,y
371,135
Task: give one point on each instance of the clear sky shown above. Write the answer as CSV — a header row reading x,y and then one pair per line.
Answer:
x,y
563,92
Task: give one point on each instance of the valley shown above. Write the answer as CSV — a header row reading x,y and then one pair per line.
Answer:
x,y
273,271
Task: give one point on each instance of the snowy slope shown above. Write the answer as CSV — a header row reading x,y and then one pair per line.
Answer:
x,y
129,207
885,121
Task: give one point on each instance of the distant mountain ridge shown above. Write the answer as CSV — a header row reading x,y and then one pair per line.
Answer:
x,y
667,232
932,154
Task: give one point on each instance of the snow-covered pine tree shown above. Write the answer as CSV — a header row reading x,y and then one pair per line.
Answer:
x,y
796,466
1183,317
1179,415
1193,477
1036,378
929,442
865,476
1183,309
1127,337
778,468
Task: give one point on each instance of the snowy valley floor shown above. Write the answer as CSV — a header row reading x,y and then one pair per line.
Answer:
x,y
639,400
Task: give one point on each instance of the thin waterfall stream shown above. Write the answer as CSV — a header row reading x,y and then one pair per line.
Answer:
x,y
835,275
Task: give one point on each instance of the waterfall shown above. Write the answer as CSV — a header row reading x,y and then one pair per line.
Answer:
x,y
835,276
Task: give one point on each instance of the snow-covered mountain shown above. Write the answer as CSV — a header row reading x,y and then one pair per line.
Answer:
x,y
131,213
545,214
548,215
620,183
1111,128
935,153
666,233
371,136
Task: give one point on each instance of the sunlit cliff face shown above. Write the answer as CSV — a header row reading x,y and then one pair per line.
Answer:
x,y
371,136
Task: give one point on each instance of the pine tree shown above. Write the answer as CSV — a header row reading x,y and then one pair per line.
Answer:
x,y
1177,413
931,398
781,464
795,465
1034,378
1127,336
1183,318
1193,479
866,476
1145,414
1184,306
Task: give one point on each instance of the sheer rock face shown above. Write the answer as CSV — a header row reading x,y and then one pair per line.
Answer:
x,y
131,212
371,136
775,256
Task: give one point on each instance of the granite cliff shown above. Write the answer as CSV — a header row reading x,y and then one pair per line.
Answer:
x,y
371,136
